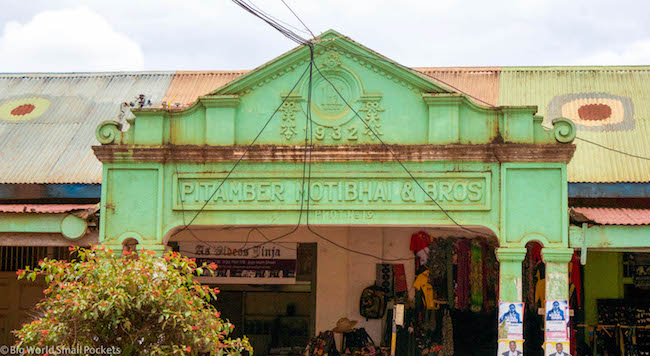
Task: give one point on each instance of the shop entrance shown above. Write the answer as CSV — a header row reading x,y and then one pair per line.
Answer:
x,y
446,278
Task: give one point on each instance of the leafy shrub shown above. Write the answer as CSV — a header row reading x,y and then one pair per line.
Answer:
x,y
137,303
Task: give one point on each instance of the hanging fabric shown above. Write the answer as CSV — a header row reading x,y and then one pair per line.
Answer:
x,y
447,335
420,242
532,266
490,278
400,278
463,260
422,284
575,278
437,263
476,276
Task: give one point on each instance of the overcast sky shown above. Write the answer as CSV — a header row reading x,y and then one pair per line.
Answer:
x,y
74,35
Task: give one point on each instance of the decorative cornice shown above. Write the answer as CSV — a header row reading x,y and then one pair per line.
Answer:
x,y
505,254
273,153
220,101
557,255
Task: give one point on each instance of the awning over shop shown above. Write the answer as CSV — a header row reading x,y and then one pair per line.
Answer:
x,y
611,216
609,228
68,221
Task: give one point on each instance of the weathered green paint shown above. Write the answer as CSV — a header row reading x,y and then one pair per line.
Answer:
x,y
68,225
510,275
610,237
479,163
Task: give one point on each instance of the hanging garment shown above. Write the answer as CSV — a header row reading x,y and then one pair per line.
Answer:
x,y
422,284
447,335
437,263
463,260
531,265
575,278
476,277
400,278
420,246
490,278
540,286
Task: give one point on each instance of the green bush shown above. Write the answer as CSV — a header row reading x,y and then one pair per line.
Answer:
x,y
139,303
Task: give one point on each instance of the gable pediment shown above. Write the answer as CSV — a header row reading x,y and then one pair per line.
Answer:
x,y
327,44
358,98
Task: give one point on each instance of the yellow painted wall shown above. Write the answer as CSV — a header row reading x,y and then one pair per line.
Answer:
x,y
603,279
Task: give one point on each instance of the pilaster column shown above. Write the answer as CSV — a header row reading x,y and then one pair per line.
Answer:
x,y
557,282
557,272
510,275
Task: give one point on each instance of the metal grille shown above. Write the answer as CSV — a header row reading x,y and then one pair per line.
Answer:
x,y
13,258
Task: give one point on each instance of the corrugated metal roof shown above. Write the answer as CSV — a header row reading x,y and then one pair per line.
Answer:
x,y
44,208
480,82
55,146
187,86
610,105
615,216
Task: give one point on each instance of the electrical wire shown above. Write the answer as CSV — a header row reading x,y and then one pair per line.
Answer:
x,y
296,15
413,70
271,22
474,97
276,19
612,149
395,157
243,154
309,128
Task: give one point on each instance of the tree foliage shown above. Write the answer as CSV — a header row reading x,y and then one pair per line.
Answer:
x,y
139,303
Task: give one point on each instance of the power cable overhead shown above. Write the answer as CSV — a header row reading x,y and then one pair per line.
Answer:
x,y
298,17
395,157
248,148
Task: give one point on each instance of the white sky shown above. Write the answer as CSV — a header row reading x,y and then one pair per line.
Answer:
x,y
73,35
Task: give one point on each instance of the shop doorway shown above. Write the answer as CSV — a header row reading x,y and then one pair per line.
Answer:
x,y
278,318
457,302
462,275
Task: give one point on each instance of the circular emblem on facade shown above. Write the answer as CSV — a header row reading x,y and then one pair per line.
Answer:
x,y
327,101
594,111
328,105
23,109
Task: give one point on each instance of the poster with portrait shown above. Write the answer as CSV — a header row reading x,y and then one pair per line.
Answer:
x,y
557,319
558,348
511,348
511,320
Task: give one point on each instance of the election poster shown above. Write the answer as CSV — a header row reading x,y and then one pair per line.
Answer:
x,y
245,263
557,348
511,321
511,348
557,320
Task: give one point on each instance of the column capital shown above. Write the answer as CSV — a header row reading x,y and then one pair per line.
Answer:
x,y
557,255
505,254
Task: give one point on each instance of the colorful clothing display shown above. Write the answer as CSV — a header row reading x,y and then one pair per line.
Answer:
x,y
463,261
476,277
422,284
420,242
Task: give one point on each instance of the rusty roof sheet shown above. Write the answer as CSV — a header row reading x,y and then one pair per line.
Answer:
x,y
187,86
479,82
48,121
615,216
609,105
44,208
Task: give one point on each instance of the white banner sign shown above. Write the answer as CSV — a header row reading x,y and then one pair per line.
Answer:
x,y
245,263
